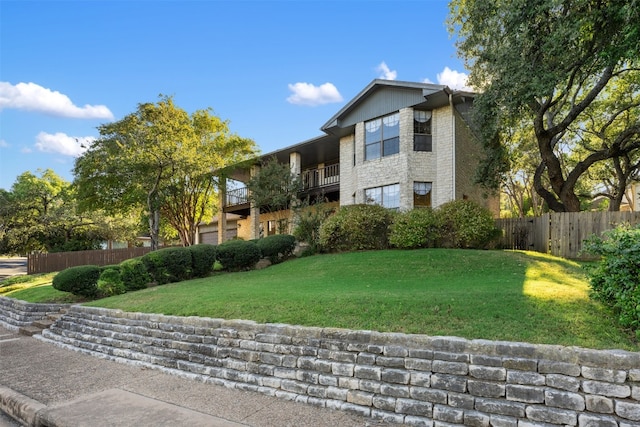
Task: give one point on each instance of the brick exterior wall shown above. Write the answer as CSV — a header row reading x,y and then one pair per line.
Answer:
x,y
412,379
449,133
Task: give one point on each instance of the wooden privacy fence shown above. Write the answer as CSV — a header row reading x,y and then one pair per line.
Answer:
x,y
559,233
58,261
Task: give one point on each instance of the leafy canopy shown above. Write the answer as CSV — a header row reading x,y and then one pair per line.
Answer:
x,y
546,62
163,160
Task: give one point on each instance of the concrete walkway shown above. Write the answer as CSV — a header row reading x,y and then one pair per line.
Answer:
x,y
45,385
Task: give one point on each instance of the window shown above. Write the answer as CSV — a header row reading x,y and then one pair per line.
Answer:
x,y
387,196
422,131
382,137
421,194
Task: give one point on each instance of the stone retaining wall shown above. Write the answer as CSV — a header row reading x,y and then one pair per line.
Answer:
x,y
15,314
410,379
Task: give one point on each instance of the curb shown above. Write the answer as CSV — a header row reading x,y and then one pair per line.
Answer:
x,y
20,407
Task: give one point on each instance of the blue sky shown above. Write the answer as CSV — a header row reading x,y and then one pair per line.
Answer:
x,y
276,70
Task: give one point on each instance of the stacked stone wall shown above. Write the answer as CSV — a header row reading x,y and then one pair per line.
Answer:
x,y
396,378
15,314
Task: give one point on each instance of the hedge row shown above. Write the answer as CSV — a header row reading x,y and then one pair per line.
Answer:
x,y
457,224
170,265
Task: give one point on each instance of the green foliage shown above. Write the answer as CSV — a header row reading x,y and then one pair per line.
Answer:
x,y
274,187
235,255
465,224
277,247
110,283
39,214
81,280
308,222
203,258
546,63
615,279
134,274
160,159
417,228
356,227
169,265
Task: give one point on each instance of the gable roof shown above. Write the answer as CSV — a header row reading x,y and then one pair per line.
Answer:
x,y
385,96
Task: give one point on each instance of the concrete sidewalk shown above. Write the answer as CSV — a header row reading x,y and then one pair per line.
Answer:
x,y
45,385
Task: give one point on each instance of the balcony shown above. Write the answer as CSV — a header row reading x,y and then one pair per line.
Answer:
x,y
325,179
321,177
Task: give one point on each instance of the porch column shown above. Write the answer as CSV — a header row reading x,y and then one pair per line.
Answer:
x,y
222,217
295,162
254,214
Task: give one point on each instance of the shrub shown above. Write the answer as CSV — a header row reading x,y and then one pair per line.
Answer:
x,y
237,255
134,274
417,228
203,257
466,224
169,265
81,280
356,227
308,222
110,283
277,247
615,279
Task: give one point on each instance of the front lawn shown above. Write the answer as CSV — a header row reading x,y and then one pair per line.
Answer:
x,y
496,295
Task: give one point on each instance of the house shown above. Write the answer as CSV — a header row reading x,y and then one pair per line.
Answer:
x,y
402,145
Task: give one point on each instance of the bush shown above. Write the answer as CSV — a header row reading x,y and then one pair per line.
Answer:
x,y
466,224
308,222
356,227
277,247
237,255
110,282
81,280
134,274
203,257
169,265
417,228
615,279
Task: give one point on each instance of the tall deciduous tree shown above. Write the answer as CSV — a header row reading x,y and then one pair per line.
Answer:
x,y
39,214
160,158
546,61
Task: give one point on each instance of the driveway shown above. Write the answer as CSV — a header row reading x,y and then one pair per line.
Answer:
x,y
12,266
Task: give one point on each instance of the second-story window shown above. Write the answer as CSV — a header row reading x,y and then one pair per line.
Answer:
x,y
422,131
382,137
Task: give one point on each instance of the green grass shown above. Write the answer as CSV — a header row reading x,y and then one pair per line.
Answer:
x,y
496,295
35,288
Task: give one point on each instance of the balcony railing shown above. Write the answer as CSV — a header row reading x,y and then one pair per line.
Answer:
x,y
239,196
321,177
311,179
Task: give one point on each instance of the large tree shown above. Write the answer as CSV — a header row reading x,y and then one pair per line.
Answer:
x,y
160,158
39,214
547,61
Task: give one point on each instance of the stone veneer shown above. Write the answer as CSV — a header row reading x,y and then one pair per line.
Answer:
x,y
15,314
399,378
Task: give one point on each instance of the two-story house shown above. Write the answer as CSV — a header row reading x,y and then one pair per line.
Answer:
x,y
402,145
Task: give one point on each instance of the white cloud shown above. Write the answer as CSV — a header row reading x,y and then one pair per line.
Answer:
x,y
32,97
308,94
385,72
454,79
3,143
62,143
427,81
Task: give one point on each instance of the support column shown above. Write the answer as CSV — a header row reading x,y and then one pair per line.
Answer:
x,y
254,214
295,163
222,216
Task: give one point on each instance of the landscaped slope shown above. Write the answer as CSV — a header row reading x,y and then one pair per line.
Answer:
x,y
497,295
